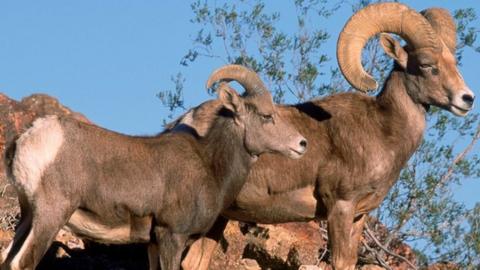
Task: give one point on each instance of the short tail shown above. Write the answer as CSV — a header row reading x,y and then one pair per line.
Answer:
x,y
9,155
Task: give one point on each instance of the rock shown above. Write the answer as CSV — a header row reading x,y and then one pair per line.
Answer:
x,y
371,267
284,246
296,246
249,264
309,267
325,266
230,251
5,237
68,242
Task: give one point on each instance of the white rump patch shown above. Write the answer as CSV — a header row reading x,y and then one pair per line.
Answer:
x,y
36,150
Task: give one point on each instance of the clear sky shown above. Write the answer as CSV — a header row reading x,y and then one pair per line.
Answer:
x,y
108,59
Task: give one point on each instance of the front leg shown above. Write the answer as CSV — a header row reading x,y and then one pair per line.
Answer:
x,y
344,232
153,259
202,250
169,247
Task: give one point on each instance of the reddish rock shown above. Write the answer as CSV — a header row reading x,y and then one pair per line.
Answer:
x,y
371,267
284,246
296,246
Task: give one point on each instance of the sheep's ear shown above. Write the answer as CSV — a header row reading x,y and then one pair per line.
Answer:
x,y
393,49
231,100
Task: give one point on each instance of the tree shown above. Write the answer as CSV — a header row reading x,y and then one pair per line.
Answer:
x,y
420,209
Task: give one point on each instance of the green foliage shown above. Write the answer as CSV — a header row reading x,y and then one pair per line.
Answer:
x,y
467,34
472,237
173,99
245,33
420,209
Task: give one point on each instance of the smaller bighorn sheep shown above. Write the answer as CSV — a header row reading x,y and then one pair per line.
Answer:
x,y
357,144
172,186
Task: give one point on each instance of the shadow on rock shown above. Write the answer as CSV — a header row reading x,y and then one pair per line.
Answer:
x,y
96,256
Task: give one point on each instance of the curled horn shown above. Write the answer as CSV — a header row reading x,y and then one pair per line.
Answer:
x,y
444,24
247,78
377,18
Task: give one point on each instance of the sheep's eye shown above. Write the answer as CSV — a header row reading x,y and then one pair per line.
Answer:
x,y
426,66
431,68
267,118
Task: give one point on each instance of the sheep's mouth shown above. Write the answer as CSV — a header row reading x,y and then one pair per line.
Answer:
x,y
459,111
295,154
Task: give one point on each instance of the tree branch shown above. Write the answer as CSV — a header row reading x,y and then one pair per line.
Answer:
x,y
385,249
460,157
379,258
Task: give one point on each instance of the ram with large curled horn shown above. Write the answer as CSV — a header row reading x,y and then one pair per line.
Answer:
x,y
358,144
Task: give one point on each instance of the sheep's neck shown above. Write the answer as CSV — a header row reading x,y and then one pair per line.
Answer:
x,y
403,115
229,160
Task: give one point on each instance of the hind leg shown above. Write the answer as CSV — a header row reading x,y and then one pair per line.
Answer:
x,y
170,248
21,231
45,224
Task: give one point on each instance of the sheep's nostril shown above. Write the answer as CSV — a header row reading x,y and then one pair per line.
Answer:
x,y
303,143
468,99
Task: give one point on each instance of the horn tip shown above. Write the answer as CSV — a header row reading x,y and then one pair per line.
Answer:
x,y
366,84
208,84
370,85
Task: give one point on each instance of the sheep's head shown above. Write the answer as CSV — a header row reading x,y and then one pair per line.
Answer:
x,y
256,114
428,60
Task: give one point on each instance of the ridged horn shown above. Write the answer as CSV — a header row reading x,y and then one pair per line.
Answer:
x,y
444,24
377,18
246,77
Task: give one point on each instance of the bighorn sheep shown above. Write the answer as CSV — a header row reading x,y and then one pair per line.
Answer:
x,y
173,185
357,144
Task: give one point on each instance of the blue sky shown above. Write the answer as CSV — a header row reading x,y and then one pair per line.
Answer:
x,y
108,59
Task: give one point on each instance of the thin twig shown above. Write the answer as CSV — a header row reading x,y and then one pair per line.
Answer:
x,y
292,92
224,39
460,157
379,258
377,242
324,234
4,190
320,258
